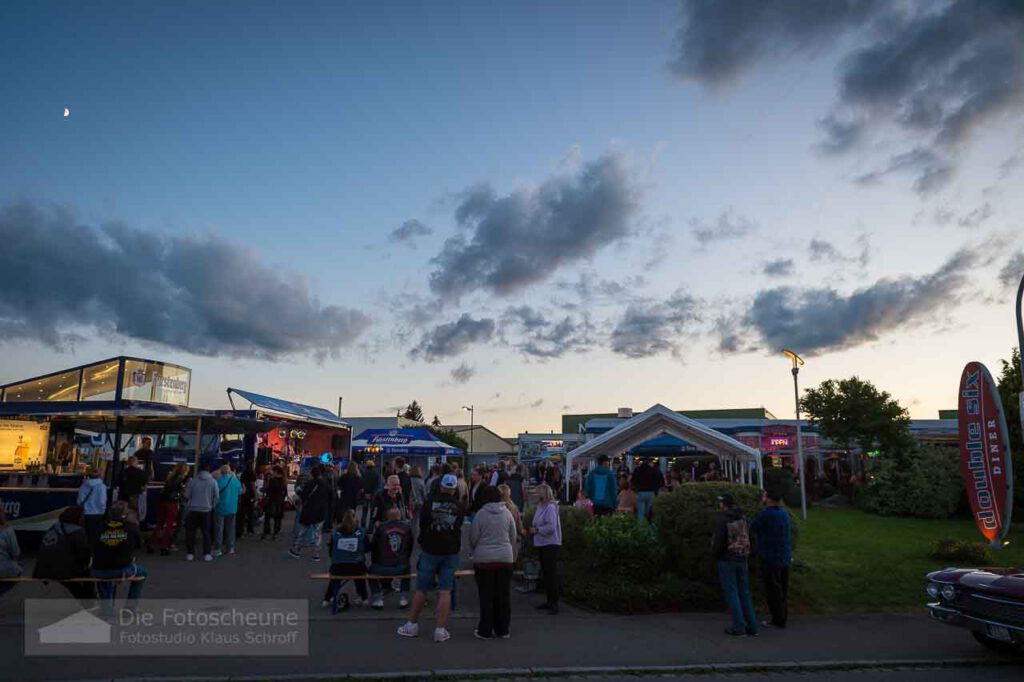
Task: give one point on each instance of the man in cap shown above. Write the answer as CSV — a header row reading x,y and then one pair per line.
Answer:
x,y
440,541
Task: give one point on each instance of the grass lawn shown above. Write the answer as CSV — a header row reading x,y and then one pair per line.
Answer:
x,y
849,561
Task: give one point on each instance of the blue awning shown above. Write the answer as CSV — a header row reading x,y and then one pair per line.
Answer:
x,y
286,408
402,442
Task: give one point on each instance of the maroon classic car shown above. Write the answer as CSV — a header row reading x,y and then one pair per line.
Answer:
x,y
987,601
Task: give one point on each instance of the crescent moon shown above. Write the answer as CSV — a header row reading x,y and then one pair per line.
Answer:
x,y
67,112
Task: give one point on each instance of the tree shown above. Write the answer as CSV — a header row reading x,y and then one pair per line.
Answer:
x,y
448,436
852,413
436,422
413,411
1009,385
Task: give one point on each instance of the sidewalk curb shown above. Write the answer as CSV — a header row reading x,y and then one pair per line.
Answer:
x,y
698,669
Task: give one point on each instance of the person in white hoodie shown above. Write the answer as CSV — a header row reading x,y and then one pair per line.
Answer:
x,y
492,541
203,494
92,498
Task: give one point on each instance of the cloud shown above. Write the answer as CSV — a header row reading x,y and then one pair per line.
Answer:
x,y
653,327
541,337
462,374
975,217
523,237
725,228
537,403
1012,271
453,338
408,231
933,170
780,267
823,250
196,293
934,71
820,319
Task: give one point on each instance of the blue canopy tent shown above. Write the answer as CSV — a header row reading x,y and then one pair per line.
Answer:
x,y
406,443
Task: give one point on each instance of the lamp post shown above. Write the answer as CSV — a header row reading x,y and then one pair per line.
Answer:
x,y
797,363
472,417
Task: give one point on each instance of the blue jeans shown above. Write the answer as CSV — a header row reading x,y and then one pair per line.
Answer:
x,y
735,577
377,586
107,591
644,502
223,532
441,566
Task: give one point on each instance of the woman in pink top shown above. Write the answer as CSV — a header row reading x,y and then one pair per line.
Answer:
x,y
547,538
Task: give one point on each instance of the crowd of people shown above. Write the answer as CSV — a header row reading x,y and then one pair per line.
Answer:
x,y
374,521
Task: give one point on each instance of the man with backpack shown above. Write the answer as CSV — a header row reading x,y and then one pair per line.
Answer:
x,y
730,545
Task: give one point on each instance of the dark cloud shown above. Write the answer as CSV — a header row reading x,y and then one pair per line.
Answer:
x,y
718,41
462,374
820,319
975,217
653,327
522,238
1012,271
822,250
537,403
199,294
780,267
540,337
408,231
453,338
725,228
592,288
932,170
935,71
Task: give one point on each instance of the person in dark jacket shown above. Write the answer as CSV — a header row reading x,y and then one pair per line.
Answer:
x,y
515,486
64,553
390,554
389,498
171,497
348,557
330,479
404,479
247,503
114,555
772,532
350,489
315,505
647,481
440,541
477,485
730,546
131,487
275,490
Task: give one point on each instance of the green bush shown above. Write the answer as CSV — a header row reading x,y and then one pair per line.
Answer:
x,y
685,519
624,547
611,594
924,482
963,552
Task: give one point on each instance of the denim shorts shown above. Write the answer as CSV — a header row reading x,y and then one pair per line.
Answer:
x,y
441,566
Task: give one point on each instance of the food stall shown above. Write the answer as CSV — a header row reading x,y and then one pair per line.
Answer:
x,y
58,424
417,447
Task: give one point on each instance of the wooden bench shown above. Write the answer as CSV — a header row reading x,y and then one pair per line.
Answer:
x,y
370,576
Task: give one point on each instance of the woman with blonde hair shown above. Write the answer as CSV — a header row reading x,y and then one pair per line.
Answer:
x,y
547,538
506,497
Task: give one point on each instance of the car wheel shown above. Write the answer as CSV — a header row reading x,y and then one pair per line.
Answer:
x,y
1004,648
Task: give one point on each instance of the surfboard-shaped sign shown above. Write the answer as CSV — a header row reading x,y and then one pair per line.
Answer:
x,y
985,452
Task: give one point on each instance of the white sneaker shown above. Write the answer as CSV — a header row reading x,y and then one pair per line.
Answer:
x,y
378,603
231,551
207,557
410,630
403,602
357,601
190,557
324,604
217,552
441,635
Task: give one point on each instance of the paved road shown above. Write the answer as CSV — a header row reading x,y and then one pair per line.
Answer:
x,y
364,641
988,674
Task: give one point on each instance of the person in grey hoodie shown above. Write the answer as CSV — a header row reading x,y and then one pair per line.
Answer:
x,y
203,494
92,498
492,541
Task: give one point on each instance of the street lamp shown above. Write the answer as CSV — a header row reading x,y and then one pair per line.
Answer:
x,y
797,363
472,417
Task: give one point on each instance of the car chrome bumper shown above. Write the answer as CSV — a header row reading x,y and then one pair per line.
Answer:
x,y
952,616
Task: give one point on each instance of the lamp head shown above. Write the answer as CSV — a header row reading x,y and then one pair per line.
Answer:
x,y
797,360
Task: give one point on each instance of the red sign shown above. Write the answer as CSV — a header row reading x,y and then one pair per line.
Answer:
x,y
984,452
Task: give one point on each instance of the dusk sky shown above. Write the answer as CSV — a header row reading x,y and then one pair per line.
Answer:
x,y
532,207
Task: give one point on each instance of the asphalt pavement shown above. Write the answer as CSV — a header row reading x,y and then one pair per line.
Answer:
x,y
362,641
